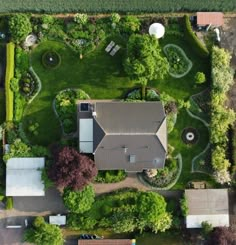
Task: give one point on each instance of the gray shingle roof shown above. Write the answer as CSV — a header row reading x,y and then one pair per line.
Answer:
x,y
137,129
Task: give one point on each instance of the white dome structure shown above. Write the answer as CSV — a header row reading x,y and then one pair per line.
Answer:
x,y
157,29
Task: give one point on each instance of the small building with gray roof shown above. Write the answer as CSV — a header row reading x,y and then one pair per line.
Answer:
x,y
123,135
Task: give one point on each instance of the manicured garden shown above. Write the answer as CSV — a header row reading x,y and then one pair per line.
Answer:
x,y
102,76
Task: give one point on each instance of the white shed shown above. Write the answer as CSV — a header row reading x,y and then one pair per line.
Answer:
x,y
209,205
23,176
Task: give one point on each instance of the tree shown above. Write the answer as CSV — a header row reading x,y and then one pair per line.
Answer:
x,y
43,233
222,236
151,209
19,27
144,60
72,169
79,201
200,77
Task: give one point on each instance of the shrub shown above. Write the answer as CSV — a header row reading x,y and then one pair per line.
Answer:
x,y
79,201
81,18
206,229
130,24
193,39
9,203
19,27
115,17
200,77
8,77
184,206
110,176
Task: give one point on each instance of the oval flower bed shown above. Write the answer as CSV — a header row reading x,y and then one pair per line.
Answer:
x,y
65,107
179,63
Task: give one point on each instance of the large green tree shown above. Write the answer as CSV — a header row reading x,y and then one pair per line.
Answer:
x,y
144,60
79,201
43,233
19,27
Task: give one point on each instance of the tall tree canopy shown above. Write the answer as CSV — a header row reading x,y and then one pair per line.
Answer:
x,y
144,60
19,27
43,233
72,169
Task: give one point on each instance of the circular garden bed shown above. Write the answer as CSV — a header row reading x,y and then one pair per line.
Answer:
x,y
51,59
190,136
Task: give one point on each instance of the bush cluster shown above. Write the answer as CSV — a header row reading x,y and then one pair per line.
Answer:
x,y
8,77
110,176
221,117
193,40
125,211
66,105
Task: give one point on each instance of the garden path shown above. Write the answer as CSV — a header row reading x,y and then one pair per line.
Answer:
x,y
132,181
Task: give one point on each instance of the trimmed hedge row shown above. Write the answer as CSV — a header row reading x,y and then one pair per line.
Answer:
x,y
122,6
9,75
193,40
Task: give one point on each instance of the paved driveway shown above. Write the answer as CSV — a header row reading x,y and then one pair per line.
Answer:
x,y
28,208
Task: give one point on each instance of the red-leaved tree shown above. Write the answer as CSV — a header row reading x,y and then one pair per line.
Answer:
x,y
72,169
222,236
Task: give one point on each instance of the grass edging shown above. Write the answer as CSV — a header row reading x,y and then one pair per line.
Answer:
x,y
38,81
190,64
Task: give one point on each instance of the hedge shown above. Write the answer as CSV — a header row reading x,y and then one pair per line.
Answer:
x,y
122,6
193,40
9,75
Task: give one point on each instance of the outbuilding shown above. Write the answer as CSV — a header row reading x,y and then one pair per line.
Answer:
x,y
23,176
209,205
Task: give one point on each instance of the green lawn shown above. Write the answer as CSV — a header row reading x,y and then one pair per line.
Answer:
x,y
98,74
2,106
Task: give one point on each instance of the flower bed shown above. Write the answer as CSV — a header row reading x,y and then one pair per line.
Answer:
x,y
179,63
161,178
65,106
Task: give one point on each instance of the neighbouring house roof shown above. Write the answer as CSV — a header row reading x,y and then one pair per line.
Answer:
x,y
106,242
129,136
207,205
23,177
207,18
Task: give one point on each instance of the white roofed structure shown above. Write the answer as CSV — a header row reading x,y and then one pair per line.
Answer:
x,y
209,205
86,135
23,176
157,29
57,219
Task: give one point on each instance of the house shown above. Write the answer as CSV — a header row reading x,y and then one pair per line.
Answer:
x,y
215,19
209,205
107,242
123,135
23,176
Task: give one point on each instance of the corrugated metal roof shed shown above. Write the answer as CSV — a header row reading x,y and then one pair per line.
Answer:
x,y
207,205
207,18
23,177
